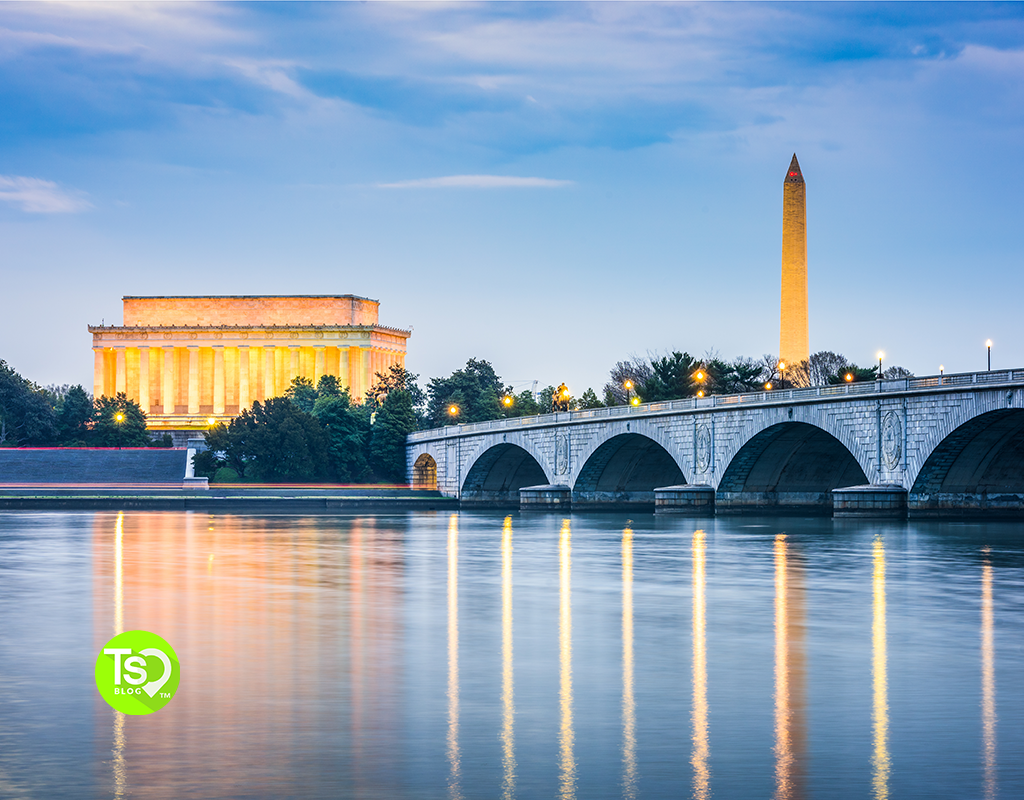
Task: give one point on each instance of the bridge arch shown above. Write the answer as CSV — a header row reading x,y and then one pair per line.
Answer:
x,y
424,472
982,456
495,474
788,465
625,470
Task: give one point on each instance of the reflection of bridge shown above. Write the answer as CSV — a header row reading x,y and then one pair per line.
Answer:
x,y
952,443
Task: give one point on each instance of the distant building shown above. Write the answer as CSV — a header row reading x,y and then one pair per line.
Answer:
x,y
794,343
188,359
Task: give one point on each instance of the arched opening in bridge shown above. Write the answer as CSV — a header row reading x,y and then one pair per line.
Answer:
x,y
499,474
424,473
792,465
625,471
979,466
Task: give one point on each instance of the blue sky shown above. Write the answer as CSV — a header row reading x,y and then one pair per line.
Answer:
x,y
549,187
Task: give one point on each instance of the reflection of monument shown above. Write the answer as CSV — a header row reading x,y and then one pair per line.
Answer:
x,y
183,358
794,346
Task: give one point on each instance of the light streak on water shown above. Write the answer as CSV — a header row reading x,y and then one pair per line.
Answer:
x,y
454,756
699,756
566,738
988,680
119,765
508,708
880,762
629,772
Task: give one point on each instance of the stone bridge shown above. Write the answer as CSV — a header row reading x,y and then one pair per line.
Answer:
x,y
946,444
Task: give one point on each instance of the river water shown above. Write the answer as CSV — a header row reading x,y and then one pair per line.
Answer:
x,y
478,655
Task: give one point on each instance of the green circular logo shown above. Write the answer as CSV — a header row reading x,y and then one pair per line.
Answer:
x,y
137,672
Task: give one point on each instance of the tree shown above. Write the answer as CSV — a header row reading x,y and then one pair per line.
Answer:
x,y
348,433
476,390
27,416
857,374
743,375
635,369
329,386
896,372
589,400
393,423
672,377
396,377
302,393
75,417
119,422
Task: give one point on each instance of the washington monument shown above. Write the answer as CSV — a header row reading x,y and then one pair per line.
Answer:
x,y
793,339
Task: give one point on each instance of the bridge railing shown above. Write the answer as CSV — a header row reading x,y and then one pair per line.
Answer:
x,y
774,396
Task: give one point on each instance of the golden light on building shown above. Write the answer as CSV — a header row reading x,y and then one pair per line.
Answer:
x,y
183,359
794,340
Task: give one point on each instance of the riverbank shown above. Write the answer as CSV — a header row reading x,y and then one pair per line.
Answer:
x,y
233,499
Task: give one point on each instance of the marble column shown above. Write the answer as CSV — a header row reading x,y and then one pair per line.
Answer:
x,y
170,392
99,372
294,370
367,372
120,384
355,373
243,378
343,366
193,380
144,378
319,363
218,379
269,373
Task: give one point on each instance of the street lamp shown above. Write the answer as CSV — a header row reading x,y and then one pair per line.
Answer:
x,y
700,376
768,386
507,401
848,377
453,411
782,374
119,418
635,401
628,385
988,344
880,355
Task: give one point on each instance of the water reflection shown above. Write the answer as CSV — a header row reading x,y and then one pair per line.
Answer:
x,y
790,676
699,756
566,739
988,678
508,709
454,760
119,767
880,728
628,700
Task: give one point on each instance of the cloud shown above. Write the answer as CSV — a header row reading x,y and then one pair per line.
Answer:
x,y
477,182
38,196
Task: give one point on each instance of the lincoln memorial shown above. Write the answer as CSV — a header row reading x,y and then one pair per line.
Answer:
x,y
187,360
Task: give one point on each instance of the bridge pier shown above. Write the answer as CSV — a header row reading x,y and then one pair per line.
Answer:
x,y
687,498
873,500
549,497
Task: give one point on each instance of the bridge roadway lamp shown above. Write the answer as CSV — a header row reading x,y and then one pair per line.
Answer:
x,y
119,418
848,377
782,374
880,355
453,411
507,401
768,386
988,344
628,385
635,401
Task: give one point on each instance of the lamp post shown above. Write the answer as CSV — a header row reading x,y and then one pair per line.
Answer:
x,y
701,376
880,355
988,344
453,412
782,374
941,370
628,386
507,402
768,386
119,418
848,377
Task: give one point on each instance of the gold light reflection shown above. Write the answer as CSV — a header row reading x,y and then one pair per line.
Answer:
x,y
628,700
789,677
508,708
454,760
880,758
699,757
988,679
119,766
566,758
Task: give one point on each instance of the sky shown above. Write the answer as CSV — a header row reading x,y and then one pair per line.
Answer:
x,y
550,187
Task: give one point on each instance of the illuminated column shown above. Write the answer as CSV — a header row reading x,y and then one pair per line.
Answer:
x,y
243,378
170,390
355,372
269,379
367,372
218,379
99,369
294,371
281,371
319,363
343,366
120,383
794,344
144,378
193,380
